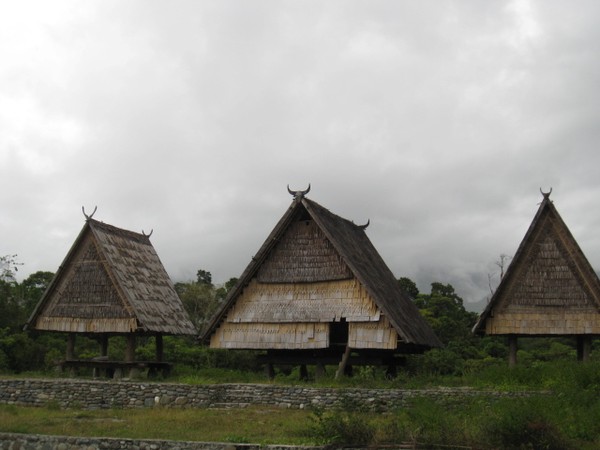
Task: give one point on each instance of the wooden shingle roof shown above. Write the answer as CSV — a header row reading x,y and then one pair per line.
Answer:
x,y
356,252
550,288
111,281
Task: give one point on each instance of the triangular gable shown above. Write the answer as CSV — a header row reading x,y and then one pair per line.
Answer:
x,y
368,267
549,288
111,281
318,260
347,251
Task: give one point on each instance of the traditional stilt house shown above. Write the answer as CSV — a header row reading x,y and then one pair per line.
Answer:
x,y
111,283
549,289
317,292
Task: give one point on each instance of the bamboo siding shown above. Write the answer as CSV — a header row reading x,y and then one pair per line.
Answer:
x,y
376,335
317,268
306,302
303,255
555,322
549,288
271,336
549,280
111,281
94,325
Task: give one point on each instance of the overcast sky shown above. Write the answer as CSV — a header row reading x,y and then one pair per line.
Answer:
x,y
437,120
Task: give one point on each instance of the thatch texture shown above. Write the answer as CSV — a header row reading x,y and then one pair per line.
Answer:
x,y
316,269
549,288
111,281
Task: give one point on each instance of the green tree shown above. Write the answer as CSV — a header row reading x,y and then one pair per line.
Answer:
x,y
409,286
32,289
222,291
11,314
204,277
200,298
444,310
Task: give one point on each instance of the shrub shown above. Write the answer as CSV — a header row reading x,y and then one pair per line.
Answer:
x,y
341,428
523,424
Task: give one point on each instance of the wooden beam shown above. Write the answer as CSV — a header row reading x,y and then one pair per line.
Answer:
x,y
343,362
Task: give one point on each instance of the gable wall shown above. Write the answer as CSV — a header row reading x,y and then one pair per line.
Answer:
x,y
549,291
85,300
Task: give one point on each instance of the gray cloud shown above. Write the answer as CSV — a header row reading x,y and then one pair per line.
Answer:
x,y
439,122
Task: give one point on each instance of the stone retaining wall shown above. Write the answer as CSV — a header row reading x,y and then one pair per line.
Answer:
x,y
92,394
15,441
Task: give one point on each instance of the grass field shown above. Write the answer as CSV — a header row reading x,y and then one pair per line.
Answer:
x,y
249,425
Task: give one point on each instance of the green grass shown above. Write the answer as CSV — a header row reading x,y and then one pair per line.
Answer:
x,y
256,425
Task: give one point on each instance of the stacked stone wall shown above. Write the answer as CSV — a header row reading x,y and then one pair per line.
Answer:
x,y
93,394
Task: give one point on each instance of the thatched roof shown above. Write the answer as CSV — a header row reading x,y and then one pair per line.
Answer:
x,y
111,281
549,288
348,253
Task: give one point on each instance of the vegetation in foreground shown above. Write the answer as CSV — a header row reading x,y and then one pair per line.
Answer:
x,y
568,417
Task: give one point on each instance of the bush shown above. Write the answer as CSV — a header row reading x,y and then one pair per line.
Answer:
x,y
523,424
342,428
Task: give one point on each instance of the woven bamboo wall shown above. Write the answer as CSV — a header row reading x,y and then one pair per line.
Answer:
x,y
549,280
303,255
271,336
547,295
379,335
75,325
85,299
550,322
314,302
297,316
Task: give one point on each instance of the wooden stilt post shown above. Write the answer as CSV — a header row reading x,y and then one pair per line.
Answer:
x,y
159,348
104,346
319,370
343,362
270,371
303,372
103,356
130,355
584,347
70,346
512,351
70,355
130,350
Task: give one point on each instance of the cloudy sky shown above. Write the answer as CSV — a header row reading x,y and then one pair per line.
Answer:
x,y
437,120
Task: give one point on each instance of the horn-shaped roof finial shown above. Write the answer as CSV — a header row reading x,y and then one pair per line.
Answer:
x,y
298,194
546,194
91,215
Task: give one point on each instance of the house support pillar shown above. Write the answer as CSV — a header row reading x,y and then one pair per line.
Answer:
x,y
70,346
159,348
97,372
342,366
319,370
269,371
512,351
303,372
584,348
130,355
104,346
